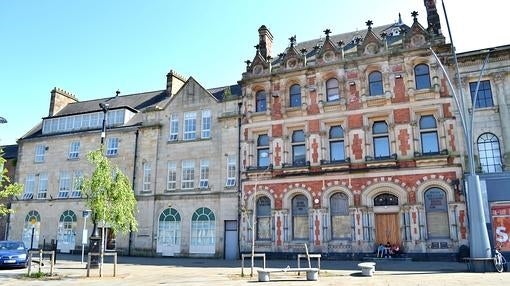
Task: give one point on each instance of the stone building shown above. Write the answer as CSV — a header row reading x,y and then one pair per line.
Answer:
x,y
177,145
491,131
349,141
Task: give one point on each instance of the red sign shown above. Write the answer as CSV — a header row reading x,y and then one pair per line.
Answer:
x,y
500,214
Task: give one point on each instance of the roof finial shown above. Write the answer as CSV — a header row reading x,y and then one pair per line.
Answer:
x,y
327,32
292,40
117,92
399,19
415,15
369,24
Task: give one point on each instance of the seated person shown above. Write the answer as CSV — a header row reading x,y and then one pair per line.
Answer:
x,y
395,250
381,251
387,250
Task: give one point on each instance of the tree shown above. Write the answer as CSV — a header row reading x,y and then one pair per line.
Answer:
x,y
6,188
109,195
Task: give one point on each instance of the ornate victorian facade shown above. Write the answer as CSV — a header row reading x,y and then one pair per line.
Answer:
x,y
350,141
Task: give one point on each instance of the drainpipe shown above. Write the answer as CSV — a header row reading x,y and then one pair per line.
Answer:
x,y
133,180
239,193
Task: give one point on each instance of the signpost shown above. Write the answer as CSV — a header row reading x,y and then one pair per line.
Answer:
x,y
86,214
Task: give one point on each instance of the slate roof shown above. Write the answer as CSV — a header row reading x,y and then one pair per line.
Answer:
x,y
137,103
10,151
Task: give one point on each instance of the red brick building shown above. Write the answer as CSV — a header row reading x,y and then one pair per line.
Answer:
x,y
349,141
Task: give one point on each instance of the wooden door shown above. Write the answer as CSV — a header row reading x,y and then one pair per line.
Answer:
x,y
387,228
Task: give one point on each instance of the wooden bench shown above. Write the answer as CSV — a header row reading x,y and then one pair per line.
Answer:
x,y
312,274
318,256
367,268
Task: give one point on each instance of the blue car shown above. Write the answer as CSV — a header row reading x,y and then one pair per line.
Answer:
x,y
13,254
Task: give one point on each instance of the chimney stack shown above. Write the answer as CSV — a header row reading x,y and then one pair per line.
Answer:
x,y
434,25
59,99
265,41
174,82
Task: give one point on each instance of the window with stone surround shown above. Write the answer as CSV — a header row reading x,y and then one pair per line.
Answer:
x,y
381,140
340,219
489,153
203,231
112,146
74,150
332,91
171,181
436,208
264,218
422,76
42,188
298,148
231,171
64,185
300,225
188,174
169,229
77,184
40,151
29,187
295,95
263,151
375,84
190,125
260,101
206,124
484,98
428,135
204,174
147,174
336,144
174,128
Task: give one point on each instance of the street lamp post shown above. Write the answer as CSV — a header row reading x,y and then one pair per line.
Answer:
x,y
479,238
95,239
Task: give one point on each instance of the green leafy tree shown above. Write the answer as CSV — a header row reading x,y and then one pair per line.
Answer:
x,y
7,189
109,195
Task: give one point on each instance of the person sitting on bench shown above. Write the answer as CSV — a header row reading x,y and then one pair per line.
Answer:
x,y
381,250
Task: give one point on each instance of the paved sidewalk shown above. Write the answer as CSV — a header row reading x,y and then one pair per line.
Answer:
x,y
211,272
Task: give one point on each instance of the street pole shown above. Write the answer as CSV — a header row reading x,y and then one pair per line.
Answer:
x,y
94,246
478,235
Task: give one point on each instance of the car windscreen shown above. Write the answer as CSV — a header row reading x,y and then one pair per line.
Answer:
x,y
11,246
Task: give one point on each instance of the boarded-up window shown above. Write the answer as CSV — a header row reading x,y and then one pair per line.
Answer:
x,y
263,218
300,217
340,219
437,213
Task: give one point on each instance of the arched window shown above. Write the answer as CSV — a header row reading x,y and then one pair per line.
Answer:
x,y
169,229
263,150
340,219
67,231
300,225
489,152
203,231
260,101
264,218
381,140
436,208
422,76
336,144
385,200
375,83
428,135
332,92
298,148
295,95
31,229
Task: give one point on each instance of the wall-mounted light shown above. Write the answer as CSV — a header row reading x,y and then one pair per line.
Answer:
x,y
352,83
398,76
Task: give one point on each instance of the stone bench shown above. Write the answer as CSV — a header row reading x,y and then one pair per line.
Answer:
x,y
312,274
367,268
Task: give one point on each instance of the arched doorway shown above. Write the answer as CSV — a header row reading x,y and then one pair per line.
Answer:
x,y
67,232
387,226
31,229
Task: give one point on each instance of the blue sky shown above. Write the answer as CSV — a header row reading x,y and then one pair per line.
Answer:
x,y
92,48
